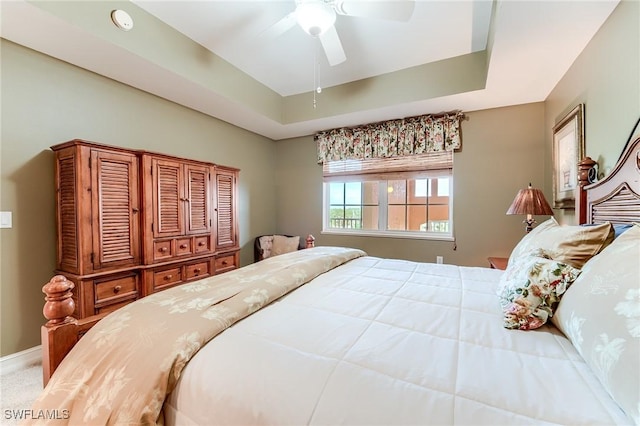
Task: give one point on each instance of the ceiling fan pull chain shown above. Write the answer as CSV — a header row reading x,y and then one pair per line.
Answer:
x,y
316,85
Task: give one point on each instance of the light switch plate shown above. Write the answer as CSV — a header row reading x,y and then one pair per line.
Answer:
x,y
5,220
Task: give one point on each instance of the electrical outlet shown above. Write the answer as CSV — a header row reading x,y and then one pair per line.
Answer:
x,y
439,259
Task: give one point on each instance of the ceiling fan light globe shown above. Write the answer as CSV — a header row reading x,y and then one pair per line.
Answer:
x,y
315,17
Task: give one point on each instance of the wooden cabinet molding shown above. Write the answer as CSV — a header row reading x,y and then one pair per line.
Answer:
x,y
126,217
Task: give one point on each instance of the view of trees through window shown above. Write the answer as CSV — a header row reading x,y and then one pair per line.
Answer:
x,y
416,205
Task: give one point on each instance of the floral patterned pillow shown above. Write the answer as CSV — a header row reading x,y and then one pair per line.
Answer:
x,y
531,288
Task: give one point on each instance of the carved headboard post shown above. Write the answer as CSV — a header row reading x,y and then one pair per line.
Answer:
x,y
584,167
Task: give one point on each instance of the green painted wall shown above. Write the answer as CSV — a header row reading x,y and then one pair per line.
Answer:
x,y
606,79
46,101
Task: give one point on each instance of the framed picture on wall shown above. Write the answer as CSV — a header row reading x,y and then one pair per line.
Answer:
x,y
568,150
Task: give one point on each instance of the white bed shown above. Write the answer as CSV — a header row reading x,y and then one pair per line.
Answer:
x,y
387,342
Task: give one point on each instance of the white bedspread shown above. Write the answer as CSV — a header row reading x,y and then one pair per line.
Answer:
x,y
380,341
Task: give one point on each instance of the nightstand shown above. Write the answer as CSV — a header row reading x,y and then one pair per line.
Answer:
x,y
498,262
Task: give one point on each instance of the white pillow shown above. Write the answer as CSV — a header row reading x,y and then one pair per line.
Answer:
x,y
600,314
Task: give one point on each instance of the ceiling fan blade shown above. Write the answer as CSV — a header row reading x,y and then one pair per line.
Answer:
x,y
332,46
395,10
280,27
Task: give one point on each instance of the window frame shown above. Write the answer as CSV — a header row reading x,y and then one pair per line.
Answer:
x,y
383,206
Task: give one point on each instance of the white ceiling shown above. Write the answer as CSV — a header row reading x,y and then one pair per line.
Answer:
x,y
530,45
235,30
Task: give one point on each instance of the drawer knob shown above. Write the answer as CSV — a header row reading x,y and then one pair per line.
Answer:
x,y
224,262
196,271
167,277
201,243
117,289
163,249
183,246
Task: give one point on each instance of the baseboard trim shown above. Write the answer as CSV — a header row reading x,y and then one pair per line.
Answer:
x,y
19,360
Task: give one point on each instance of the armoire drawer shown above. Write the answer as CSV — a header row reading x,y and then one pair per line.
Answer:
x,y
203,244
167,278
225,263
162,250
109,289
183,246
197,270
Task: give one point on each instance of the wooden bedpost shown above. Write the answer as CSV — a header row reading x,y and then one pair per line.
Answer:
x,y
584,168
60,332
311,241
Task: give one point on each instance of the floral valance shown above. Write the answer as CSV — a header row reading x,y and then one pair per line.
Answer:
x,y
394,138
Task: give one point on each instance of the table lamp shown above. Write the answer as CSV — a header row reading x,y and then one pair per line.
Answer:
x,y
530,201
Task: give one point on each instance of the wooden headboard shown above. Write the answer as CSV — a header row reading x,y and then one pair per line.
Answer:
x,y
616,198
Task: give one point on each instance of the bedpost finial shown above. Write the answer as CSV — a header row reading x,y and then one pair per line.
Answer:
x,y
311,241
59,303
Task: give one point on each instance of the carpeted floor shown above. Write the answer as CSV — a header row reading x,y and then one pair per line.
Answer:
x,y
18,390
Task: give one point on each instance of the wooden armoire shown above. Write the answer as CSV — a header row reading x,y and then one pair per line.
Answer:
x,y
131,222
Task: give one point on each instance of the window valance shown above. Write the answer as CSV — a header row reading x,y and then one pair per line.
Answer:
x,y
395,138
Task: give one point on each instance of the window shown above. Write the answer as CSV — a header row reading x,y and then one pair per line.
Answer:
x,y
405,198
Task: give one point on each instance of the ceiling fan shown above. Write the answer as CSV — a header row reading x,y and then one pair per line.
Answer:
x,y
317,18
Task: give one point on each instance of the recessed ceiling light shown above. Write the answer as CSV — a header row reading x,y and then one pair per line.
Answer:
x,y
122,19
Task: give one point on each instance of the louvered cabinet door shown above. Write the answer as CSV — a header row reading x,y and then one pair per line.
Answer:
x,y
225,211
168,198
67,206
115,209
198,199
